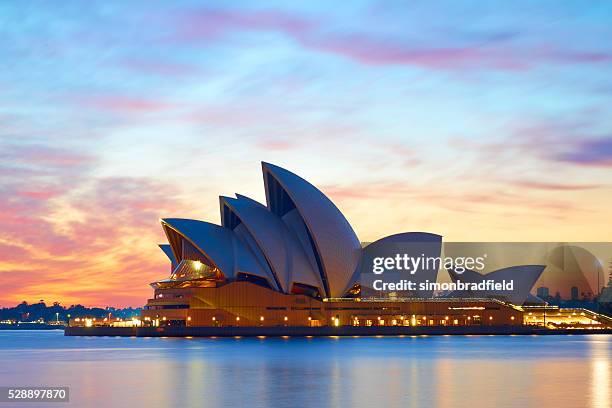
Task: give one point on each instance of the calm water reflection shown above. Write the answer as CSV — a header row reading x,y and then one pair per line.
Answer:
x,y
472,371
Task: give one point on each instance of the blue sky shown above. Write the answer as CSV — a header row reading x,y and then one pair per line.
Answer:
x,y
475,120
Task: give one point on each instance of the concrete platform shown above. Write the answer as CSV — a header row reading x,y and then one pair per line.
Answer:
x,y
278,331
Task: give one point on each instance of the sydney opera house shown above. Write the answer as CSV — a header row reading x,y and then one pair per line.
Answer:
x,y
296,261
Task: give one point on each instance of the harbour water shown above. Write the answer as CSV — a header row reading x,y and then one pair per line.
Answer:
x,y
425,371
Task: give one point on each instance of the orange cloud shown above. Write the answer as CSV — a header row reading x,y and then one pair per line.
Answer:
x,y
96,247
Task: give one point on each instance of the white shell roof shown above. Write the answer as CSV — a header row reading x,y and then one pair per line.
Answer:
x,y
228,252
283,252
333,237
168,251
424,243
524,277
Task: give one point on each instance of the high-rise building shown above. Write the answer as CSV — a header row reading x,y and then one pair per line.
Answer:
x,y
575,293
543,292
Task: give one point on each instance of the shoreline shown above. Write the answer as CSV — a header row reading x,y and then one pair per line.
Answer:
x,y
32,326
280,331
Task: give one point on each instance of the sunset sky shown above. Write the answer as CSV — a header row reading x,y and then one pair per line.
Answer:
x,y
472,121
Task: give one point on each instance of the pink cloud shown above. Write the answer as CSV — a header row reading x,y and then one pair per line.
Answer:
x,y
125,104
371,50
40,194
564,141
368,190
276,144
212,24
112,238
465,201
208,25
538,185
161,68
587,152
13,253
44,156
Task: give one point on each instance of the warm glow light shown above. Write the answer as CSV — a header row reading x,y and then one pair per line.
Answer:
x,y
261,318
197,265
286,318
237,318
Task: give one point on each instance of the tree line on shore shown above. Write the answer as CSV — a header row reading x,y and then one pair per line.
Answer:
x,y
25,312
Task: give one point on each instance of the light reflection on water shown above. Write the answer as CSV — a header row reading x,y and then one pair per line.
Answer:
x,y
474,371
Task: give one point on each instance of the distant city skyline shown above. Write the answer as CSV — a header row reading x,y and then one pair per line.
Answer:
x,y
476,122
